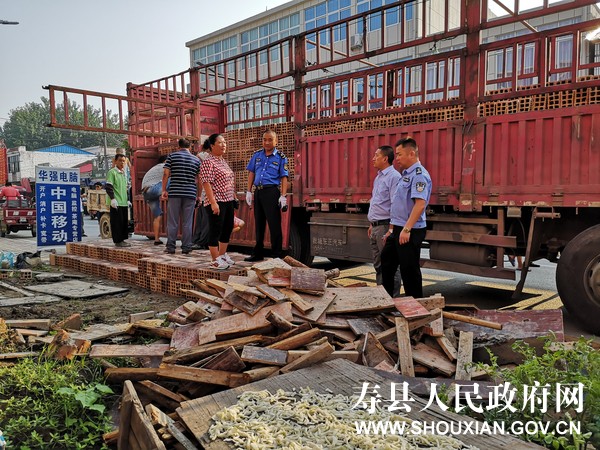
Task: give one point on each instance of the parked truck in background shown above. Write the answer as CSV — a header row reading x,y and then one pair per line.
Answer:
x,y
507,128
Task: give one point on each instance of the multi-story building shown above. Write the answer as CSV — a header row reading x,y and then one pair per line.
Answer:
x,y
408,21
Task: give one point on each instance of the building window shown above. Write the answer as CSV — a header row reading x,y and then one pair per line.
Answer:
x,y
216,51
269,33
374,21
324,13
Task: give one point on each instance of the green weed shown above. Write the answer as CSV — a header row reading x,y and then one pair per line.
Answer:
x,y
49,404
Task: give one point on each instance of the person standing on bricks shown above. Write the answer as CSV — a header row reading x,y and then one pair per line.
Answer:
x,y
407,221
183,169
152,191
116,189
218,181
384,187
267,169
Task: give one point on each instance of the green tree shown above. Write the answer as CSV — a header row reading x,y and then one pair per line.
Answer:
x,y
26,126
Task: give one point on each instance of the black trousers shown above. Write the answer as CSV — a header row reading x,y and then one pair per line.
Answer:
x,y
221,225
266,210
406,256
201,226
119,223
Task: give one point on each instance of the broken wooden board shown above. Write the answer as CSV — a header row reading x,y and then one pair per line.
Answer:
x,y
204,332
313,356
405,358
361,299
270,264
263,355
271,292
231,296
526,325
465,356
125,351
434,359
372,351
76,289
94,332
365,325
319,304
135,428
199,375
29,300
308,279
299,303
410,308
337,377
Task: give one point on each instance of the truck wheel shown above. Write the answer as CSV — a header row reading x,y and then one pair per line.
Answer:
x,y
104,224
578,278
299,245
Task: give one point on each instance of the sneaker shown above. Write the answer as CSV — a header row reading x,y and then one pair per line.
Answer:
x,y
123,244
253,258
227,259
219,264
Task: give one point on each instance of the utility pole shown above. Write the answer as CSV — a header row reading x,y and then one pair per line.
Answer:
x,y
105,156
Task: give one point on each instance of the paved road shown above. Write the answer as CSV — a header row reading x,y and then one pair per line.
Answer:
x,y
539,293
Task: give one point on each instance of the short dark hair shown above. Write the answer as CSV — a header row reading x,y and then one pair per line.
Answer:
x,y
8,183
210,141
184,143
119,155
162,159
409,142
388,152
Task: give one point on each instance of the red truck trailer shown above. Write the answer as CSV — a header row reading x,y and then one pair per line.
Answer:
x,y
507,126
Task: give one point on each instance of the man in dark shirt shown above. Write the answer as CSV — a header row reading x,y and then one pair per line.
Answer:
x,y
183,169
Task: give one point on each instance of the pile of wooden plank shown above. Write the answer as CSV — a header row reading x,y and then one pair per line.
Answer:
x,y
281,317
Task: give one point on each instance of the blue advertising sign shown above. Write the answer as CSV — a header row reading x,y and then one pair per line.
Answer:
x,y
57,205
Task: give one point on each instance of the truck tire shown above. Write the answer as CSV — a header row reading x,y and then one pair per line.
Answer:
x,y
578,278
104,224
299,245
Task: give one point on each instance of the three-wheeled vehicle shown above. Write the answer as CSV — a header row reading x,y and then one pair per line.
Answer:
x,y
16,215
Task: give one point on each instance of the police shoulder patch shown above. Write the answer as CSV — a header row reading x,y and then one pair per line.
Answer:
x,y
420,186
418,171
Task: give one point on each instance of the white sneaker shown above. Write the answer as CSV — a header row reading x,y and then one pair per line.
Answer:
x,y
227,259
219,264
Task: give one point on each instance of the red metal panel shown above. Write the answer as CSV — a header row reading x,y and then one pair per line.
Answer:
x,y
543,158
338,168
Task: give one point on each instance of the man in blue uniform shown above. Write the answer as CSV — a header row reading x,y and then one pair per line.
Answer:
x,y
266,170
407,221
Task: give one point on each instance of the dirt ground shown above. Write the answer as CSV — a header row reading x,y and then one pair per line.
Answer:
x,y
109,309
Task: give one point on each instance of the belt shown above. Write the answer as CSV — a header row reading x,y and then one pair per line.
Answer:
x,y
265,186
380,222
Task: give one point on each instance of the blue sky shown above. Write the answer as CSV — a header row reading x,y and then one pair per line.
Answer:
x,y
102,45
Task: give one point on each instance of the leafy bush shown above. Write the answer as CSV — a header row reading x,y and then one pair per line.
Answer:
x,y
49,404
556,365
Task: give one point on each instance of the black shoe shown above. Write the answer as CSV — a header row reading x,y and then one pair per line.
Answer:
x,y
253,258
534,265
199,247
159,242
84,235
169,251
186,252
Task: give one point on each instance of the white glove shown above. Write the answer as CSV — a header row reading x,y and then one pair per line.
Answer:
x,y
249,198
129,204
114,203
282,201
